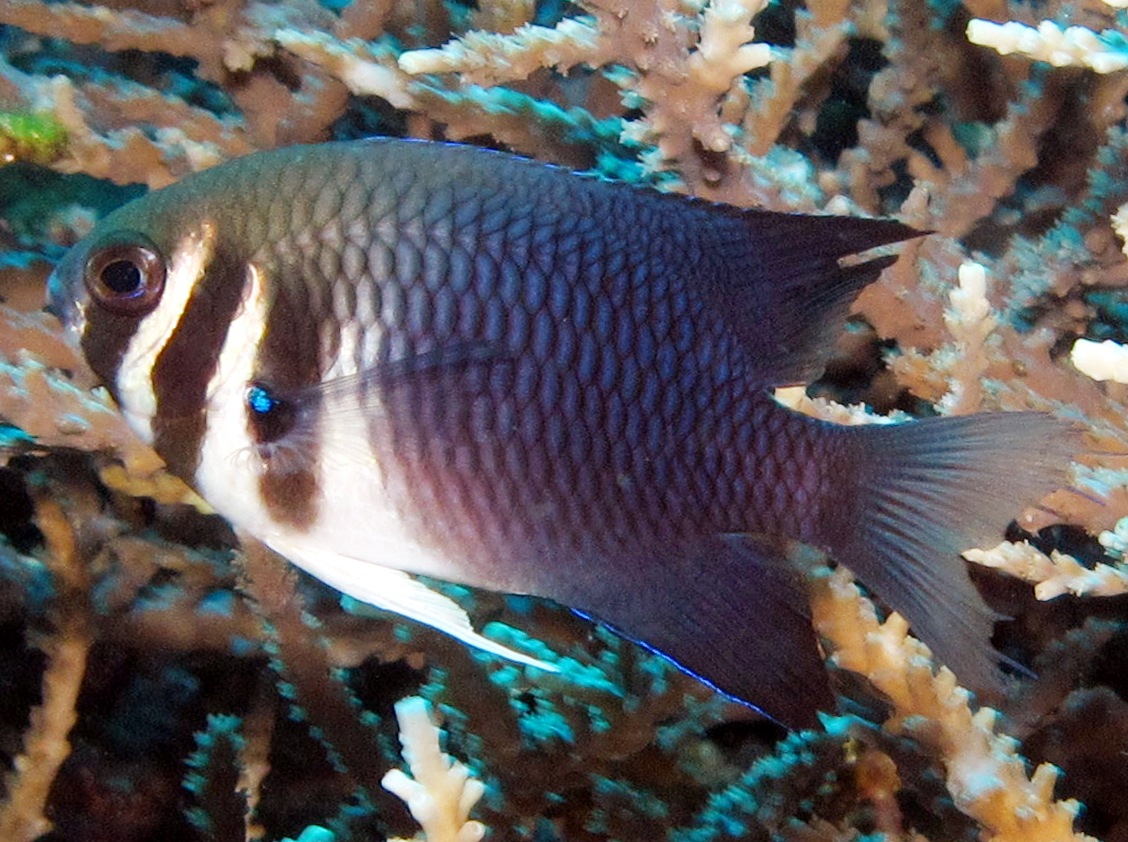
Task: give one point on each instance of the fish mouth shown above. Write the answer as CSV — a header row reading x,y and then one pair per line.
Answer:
x,y
65,307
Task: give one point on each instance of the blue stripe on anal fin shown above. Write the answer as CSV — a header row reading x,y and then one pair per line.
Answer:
x,y
732,613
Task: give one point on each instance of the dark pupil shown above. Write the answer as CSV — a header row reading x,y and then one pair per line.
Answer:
x,y
269,416
121,277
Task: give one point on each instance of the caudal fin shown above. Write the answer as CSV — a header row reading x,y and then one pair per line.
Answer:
x,y
926,491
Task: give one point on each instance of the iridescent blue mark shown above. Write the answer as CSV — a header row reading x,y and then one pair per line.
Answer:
x,y
260,401
270,416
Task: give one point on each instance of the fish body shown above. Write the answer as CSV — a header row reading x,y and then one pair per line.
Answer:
x,y
386,358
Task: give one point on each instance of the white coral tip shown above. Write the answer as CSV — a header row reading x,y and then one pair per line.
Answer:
x,y
1106,360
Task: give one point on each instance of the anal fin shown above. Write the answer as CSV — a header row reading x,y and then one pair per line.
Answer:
x,y
731,612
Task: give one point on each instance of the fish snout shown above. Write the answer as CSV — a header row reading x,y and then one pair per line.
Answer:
x,y
64,306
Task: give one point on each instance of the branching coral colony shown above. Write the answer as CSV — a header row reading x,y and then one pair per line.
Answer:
x,y
158,680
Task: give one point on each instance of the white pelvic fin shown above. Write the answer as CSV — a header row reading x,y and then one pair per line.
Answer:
x,y
397,592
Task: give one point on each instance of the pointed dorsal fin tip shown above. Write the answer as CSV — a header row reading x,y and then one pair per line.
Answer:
x,y
857,235
788,266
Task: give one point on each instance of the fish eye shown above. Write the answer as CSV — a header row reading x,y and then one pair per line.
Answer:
x,y
126,274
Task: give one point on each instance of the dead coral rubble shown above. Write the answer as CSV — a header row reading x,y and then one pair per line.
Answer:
x,y
142,647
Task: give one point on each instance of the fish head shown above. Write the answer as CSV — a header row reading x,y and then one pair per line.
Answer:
x,y
123,291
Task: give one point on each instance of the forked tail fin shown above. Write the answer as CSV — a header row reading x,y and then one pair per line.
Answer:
x,y
925,491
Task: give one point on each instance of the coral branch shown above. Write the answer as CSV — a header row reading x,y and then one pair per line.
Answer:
x,y
213,781
1103,52
1106,360
985,775
970,321
1053,574
485,58
441,792
23,817
299,657
681,102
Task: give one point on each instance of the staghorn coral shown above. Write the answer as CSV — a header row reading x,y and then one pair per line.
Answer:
x,y
1106,360
1103,52
46,744
440,793
895,107
1057,573
986,777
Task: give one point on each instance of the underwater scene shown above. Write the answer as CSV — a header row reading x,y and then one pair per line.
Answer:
x,y
166,675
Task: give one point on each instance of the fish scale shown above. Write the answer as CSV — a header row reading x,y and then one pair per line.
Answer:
x,y
404,358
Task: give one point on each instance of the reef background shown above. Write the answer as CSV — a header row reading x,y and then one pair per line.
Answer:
x,y
157,681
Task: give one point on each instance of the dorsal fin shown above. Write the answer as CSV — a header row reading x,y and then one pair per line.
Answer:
x,y
783,292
